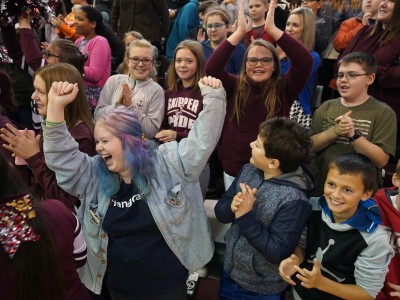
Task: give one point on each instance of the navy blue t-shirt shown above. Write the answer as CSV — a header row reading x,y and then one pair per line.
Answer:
x,y
140,263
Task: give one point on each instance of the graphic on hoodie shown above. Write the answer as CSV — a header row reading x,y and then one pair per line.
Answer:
x,y
320,256
182,112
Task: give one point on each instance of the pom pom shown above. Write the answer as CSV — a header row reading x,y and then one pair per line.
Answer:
x,y
40,10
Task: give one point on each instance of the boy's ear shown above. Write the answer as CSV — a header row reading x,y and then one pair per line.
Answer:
x,y
371,79
366,195
201,16
274,163
395,180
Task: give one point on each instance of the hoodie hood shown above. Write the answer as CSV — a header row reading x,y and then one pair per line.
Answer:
x,y
301,179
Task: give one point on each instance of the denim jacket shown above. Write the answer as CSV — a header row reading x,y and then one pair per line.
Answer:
x,y
175,200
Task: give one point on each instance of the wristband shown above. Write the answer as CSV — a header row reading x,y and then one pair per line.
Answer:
x,y
49,123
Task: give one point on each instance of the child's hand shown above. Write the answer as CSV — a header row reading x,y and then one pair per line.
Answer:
x,y
310,279
270,18
20,142
287,268
242,21
166,136
210,81
62,93
248,200
201,35
126,97
236,201
396,288
56,22
344,125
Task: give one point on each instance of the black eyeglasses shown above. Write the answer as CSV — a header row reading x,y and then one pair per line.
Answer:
x,y
265,61
349,76
48,54
216,26
136,60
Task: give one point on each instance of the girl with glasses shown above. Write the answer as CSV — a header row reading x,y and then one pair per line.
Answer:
x,y
136,90
259,92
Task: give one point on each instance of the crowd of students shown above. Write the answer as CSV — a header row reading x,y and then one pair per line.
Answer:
x,y
104,200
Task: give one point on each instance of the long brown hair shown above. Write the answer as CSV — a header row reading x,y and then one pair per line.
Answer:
x,y
197,51
392,31
270,90
77,110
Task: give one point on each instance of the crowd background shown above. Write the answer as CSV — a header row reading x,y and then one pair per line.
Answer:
x,y
332,66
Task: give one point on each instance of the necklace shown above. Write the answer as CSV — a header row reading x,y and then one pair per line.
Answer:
x,y
131,81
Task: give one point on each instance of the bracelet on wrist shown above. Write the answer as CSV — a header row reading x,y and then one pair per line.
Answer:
x,y
49,123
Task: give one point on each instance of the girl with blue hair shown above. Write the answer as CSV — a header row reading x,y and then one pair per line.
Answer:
x,y
142,209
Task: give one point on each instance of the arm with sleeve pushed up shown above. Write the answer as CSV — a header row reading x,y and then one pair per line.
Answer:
x,y
205,133
222,209
277,241
98,60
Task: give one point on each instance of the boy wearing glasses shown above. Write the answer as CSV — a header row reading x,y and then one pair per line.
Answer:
x,y
217,23
354,122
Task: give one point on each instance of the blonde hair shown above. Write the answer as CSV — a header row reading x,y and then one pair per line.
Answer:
x,y
270,90
308,21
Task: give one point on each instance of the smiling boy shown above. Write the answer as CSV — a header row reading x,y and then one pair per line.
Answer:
x,y
354,122
347,252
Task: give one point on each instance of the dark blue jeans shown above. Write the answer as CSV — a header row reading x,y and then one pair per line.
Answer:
x,y
230,290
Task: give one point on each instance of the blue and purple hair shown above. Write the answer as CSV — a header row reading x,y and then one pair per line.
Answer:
x,y
139,154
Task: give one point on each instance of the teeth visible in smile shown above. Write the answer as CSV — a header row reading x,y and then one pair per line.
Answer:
x,y
335,202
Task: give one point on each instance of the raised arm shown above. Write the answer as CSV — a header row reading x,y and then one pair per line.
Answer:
x,y
195,150
73,168
215,65
29,44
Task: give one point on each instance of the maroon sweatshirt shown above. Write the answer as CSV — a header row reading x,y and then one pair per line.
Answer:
x,y
234,149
